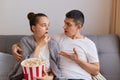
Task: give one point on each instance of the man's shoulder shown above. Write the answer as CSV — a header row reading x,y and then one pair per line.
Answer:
x,y
89,41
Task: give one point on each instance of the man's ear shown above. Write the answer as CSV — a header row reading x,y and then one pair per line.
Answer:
x,y
79,26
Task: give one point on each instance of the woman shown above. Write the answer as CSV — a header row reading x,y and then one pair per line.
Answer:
x,y
40,45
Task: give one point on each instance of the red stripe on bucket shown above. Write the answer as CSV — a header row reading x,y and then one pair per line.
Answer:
x,y
25,70
37,71
43,70
25,74
31,73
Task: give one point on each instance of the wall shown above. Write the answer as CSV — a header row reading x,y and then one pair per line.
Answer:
x,y
13,15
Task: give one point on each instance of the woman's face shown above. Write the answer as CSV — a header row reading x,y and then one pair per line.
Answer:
x,y
41,27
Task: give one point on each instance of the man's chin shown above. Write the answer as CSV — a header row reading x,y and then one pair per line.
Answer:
x,y
71,36
67,34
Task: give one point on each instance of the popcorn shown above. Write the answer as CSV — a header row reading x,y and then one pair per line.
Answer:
x,y
33,67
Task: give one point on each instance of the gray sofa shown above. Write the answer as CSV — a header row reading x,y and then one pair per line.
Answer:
x,y
108,47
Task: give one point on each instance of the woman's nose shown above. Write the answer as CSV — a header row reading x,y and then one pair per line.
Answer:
x,y
47,27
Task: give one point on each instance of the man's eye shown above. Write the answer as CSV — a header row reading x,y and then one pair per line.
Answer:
x,y
68,24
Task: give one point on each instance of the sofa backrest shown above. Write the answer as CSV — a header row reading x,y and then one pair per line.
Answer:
x,y
108,47
6,42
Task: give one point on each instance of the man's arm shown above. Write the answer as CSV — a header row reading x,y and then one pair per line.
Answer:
x,y
92,68
16,51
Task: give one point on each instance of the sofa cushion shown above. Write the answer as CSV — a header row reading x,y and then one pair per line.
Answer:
x,y
108,47
110,65
6,64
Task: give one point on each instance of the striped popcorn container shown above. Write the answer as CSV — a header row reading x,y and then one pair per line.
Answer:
x,y
33,67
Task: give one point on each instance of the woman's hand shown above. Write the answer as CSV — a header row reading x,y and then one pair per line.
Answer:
x,y
44,40
46,77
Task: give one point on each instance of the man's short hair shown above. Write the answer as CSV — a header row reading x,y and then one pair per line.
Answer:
x,y
77,15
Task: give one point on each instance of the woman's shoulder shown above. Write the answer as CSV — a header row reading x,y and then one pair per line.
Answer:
x,y
28,38
52,41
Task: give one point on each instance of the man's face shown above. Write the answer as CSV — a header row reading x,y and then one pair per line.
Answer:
x,y
70,28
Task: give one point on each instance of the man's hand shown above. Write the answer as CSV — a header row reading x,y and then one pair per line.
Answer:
x,y
92,68
72,56
16,51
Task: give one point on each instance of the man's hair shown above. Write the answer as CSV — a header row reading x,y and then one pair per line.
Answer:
x,y
77,15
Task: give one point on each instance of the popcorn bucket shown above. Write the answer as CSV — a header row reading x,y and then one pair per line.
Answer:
x,y
33,67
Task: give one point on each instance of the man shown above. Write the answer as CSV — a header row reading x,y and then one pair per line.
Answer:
x,y
78,56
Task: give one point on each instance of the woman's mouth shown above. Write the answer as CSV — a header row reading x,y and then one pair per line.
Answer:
x,y
46,32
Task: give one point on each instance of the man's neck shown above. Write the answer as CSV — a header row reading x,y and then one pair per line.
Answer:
x,y
77,36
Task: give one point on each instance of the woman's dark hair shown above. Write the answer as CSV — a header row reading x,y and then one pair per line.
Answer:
x,y
33,18
77,15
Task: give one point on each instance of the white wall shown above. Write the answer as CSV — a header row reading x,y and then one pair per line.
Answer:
x,y
13,14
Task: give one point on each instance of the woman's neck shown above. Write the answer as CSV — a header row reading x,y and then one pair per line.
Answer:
x,y
36,38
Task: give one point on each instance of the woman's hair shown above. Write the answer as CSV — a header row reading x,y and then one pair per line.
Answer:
x,y
33,18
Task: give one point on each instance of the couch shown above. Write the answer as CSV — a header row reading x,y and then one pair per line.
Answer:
x,y
108,47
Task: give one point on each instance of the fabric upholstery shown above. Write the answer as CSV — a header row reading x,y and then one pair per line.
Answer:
x,y
108,47
6,63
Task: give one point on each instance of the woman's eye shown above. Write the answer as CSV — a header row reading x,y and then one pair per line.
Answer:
x,y
43,25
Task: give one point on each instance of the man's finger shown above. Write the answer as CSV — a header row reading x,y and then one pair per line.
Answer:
x,y
64,54
18,56
18,59
19,48
75,51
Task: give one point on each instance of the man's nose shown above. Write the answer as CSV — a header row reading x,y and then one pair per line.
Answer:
x,y
64,27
